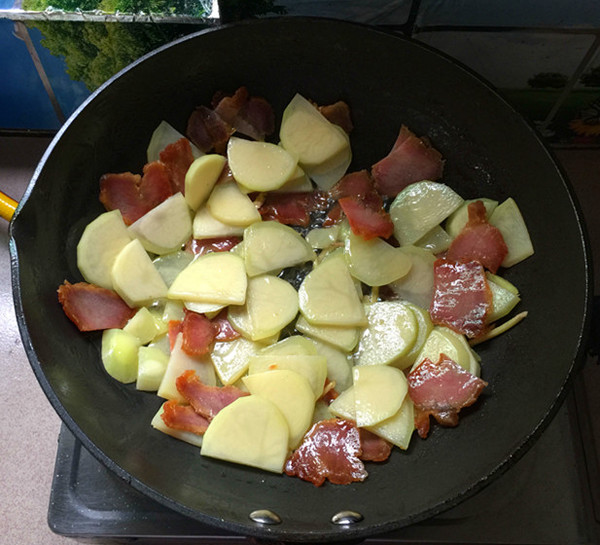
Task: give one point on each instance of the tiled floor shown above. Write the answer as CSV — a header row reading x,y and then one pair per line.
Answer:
x,y
29,427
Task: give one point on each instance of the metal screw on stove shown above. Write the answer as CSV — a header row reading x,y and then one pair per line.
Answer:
x,y
344,518
265,516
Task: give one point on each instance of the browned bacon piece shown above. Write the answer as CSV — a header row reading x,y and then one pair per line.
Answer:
x,y
183,417
411,159
93,308
479,240
198,334
207,130
177,157
134,195
206,400
224,329
175,327
217,244
248,115
330,451
462,297
290,208
441,390
339,114
374,448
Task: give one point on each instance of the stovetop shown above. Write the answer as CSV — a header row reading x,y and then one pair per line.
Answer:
x,y
550,496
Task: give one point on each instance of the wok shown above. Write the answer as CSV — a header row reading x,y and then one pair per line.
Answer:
x,y
387,80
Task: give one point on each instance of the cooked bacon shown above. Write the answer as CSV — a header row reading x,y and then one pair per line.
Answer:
x,y
249,115
365,221
177,157
218,244
206,400
175,327
183,417
134,195
411,159
198,334
441,390
334,216
479,240
330,450
355,184
339,114
223,327
374,448
291,208
207,130
92,308
462,297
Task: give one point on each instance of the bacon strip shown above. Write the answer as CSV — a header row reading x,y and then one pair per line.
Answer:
x,y
462,297
411,159
92,308
339,114
291,208
223,329
330,451
207,130
374,448
441,390
479,240
206,400
177,157
134,195
198,334
183,417
217,244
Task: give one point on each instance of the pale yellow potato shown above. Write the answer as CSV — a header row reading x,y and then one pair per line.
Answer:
x,y
143,325
271,304
293,396
417,286
345,338
344,406
270,246
166,227
323,237
119,353
100,243
442,340
135,278
229,205
398,429
250,431
204,225
292,345
390,334
339,364
163,135
508,218
259,166
179,362
424,328
328,295
298,182
379,391
504,297
171,264
231,358
436,241
217,277
312,367
152,365
201,177
158,424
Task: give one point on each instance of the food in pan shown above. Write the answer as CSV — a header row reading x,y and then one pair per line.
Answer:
x,y
294,316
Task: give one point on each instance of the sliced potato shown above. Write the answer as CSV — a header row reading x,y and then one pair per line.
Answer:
x,y
436,241
163,135
205,225
231,358
390,334
339,365
259,166
158,424
201,177
328,295
375,262
298,182
217,277
507,217
250,431
294,345
424,328
379,391
229,205
99,245
398,429
323,237
417,286
271,304
421,206
135,278
293,396
504,298
170,265
344,406
119,354
143,325
441,340
342,337
166,227
152,365
270,246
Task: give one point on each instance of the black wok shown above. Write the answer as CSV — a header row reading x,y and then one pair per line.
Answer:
x,y
387,80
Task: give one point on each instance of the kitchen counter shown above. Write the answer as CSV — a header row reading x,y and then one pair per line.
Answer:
x,y
29,428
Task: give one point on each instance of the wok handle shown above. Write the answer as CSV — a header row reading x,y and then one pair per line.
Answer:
x,y
7,206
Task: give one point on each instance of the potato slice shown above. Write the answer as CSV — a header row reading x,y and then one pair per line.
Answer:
x,y
217,277
166,227
179,362
201,177
436,241
163,135
441,340
158,424
424,328
390,334
328,295
293,396
507,217
250,431
229,205
323,237
119,354
379,391
345,338
421,206
294,345
312,367
344,406
205,225
100,243
259,166
504,298
143,325
417,285
231,358
375,262
339,365
271,304
135,278
170,265
298,182
152,365
270,246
